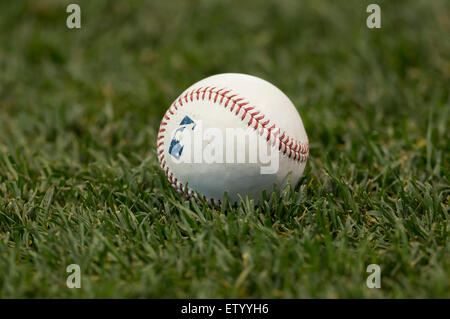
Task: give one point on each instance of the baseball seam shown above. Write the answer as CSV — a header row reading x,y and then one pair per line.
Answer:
x,y
288,146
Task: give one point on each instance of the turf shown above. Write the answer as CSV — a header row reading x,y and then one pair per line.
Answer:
x,y
80,183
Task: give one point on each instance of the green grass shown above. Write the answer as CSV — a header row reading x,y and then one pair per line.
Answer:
x,y
80,183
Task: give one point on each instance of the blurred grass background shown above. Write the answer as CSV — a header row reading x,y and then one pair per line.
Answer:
x,y
79,180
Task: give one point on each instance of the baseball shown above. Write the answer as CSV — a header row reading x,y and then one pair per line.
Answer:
x,y
231,133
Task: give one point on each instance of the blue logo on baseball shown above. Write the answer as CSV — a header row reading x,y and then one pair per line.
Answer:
x,y
176,145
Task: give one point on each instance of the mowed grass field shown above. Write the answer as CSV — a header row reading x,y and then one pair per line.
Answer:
x,y
80,183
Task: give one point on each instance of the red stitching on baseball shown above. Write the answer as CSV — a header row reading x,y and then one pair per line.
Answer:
x,y
204,92
198,92
224,95
234,101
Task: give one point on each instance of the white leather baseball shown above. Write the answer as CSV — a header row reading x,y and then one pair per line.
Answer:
x,y
233,101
